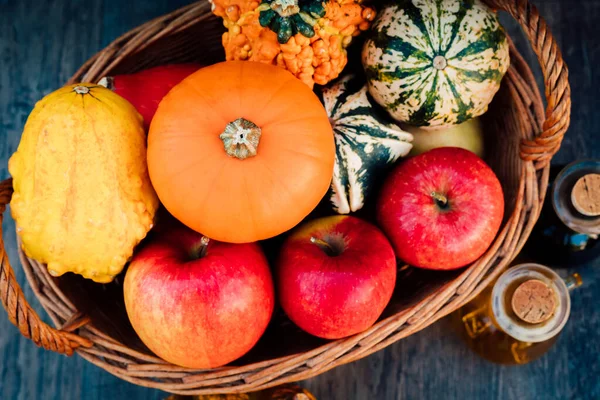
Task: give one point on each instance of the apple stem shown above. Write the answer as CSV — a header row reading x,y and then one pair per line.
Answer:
x,y
199,250
323,245
440,199
203,246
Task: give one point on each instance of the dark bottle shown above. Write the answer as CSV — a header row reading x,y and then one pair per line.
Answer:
x,y
566,233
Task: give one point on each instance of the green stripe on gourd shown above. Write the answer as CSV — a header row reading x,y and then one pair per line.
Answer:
x,y
435,62
366,142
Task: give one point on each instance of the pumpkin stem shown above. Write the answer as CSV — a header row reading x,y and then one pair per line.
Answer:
x,y
290,17
440,62
81,90
285,8
241,138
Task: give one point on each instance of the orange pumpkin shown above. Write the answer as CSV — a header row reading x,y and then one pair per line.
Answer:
x,y
241,151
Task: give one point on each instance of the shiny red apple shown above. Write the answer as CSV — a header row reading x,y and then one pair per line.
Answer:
x,y
335,276
441,209
146,89
198,303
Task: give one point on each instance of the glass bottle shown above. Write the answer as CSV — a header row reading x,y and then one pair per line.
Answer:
x,y
519,317
567,232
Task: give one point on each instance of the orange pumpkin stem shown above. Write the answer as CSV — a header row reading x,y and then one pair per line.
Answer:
x,y
241,138
285,8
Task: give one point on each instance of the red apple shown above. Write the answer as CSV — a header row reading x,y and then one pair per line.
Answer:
x,y
335,275
146,89
441,209
198,305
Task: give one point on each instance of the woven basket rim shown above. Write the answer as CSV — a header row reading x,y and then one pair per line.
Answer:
x,y
145,370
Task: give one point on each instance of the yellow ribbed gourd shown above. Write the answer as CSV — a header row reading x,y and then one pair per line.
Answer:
x,y
82,196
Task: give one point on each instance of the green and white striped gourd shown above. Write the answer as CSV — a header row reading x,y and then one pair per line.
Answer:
x,y
366,142
435,62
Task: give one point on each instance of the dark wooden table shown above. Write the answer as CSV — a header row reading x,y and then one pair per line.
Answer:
x,y
42,43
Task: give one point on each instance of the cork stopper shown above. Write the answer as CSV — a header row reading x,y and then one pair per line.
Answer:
x,y
534,302
585,195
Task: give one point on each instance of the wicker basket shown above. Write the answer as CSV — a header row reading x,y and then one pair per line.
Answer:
x,y
90,319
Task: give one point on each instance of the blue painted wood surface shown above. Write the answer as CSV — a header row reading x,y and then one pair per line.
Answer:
x,y
43,42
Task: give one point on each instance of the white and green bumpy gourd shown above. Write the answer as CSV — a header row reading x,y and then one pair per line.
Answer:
x,y
435,63
366,142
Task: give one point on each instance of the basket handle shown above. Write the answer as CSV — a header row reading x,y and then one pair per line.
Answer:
x,y
19,311
556,80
